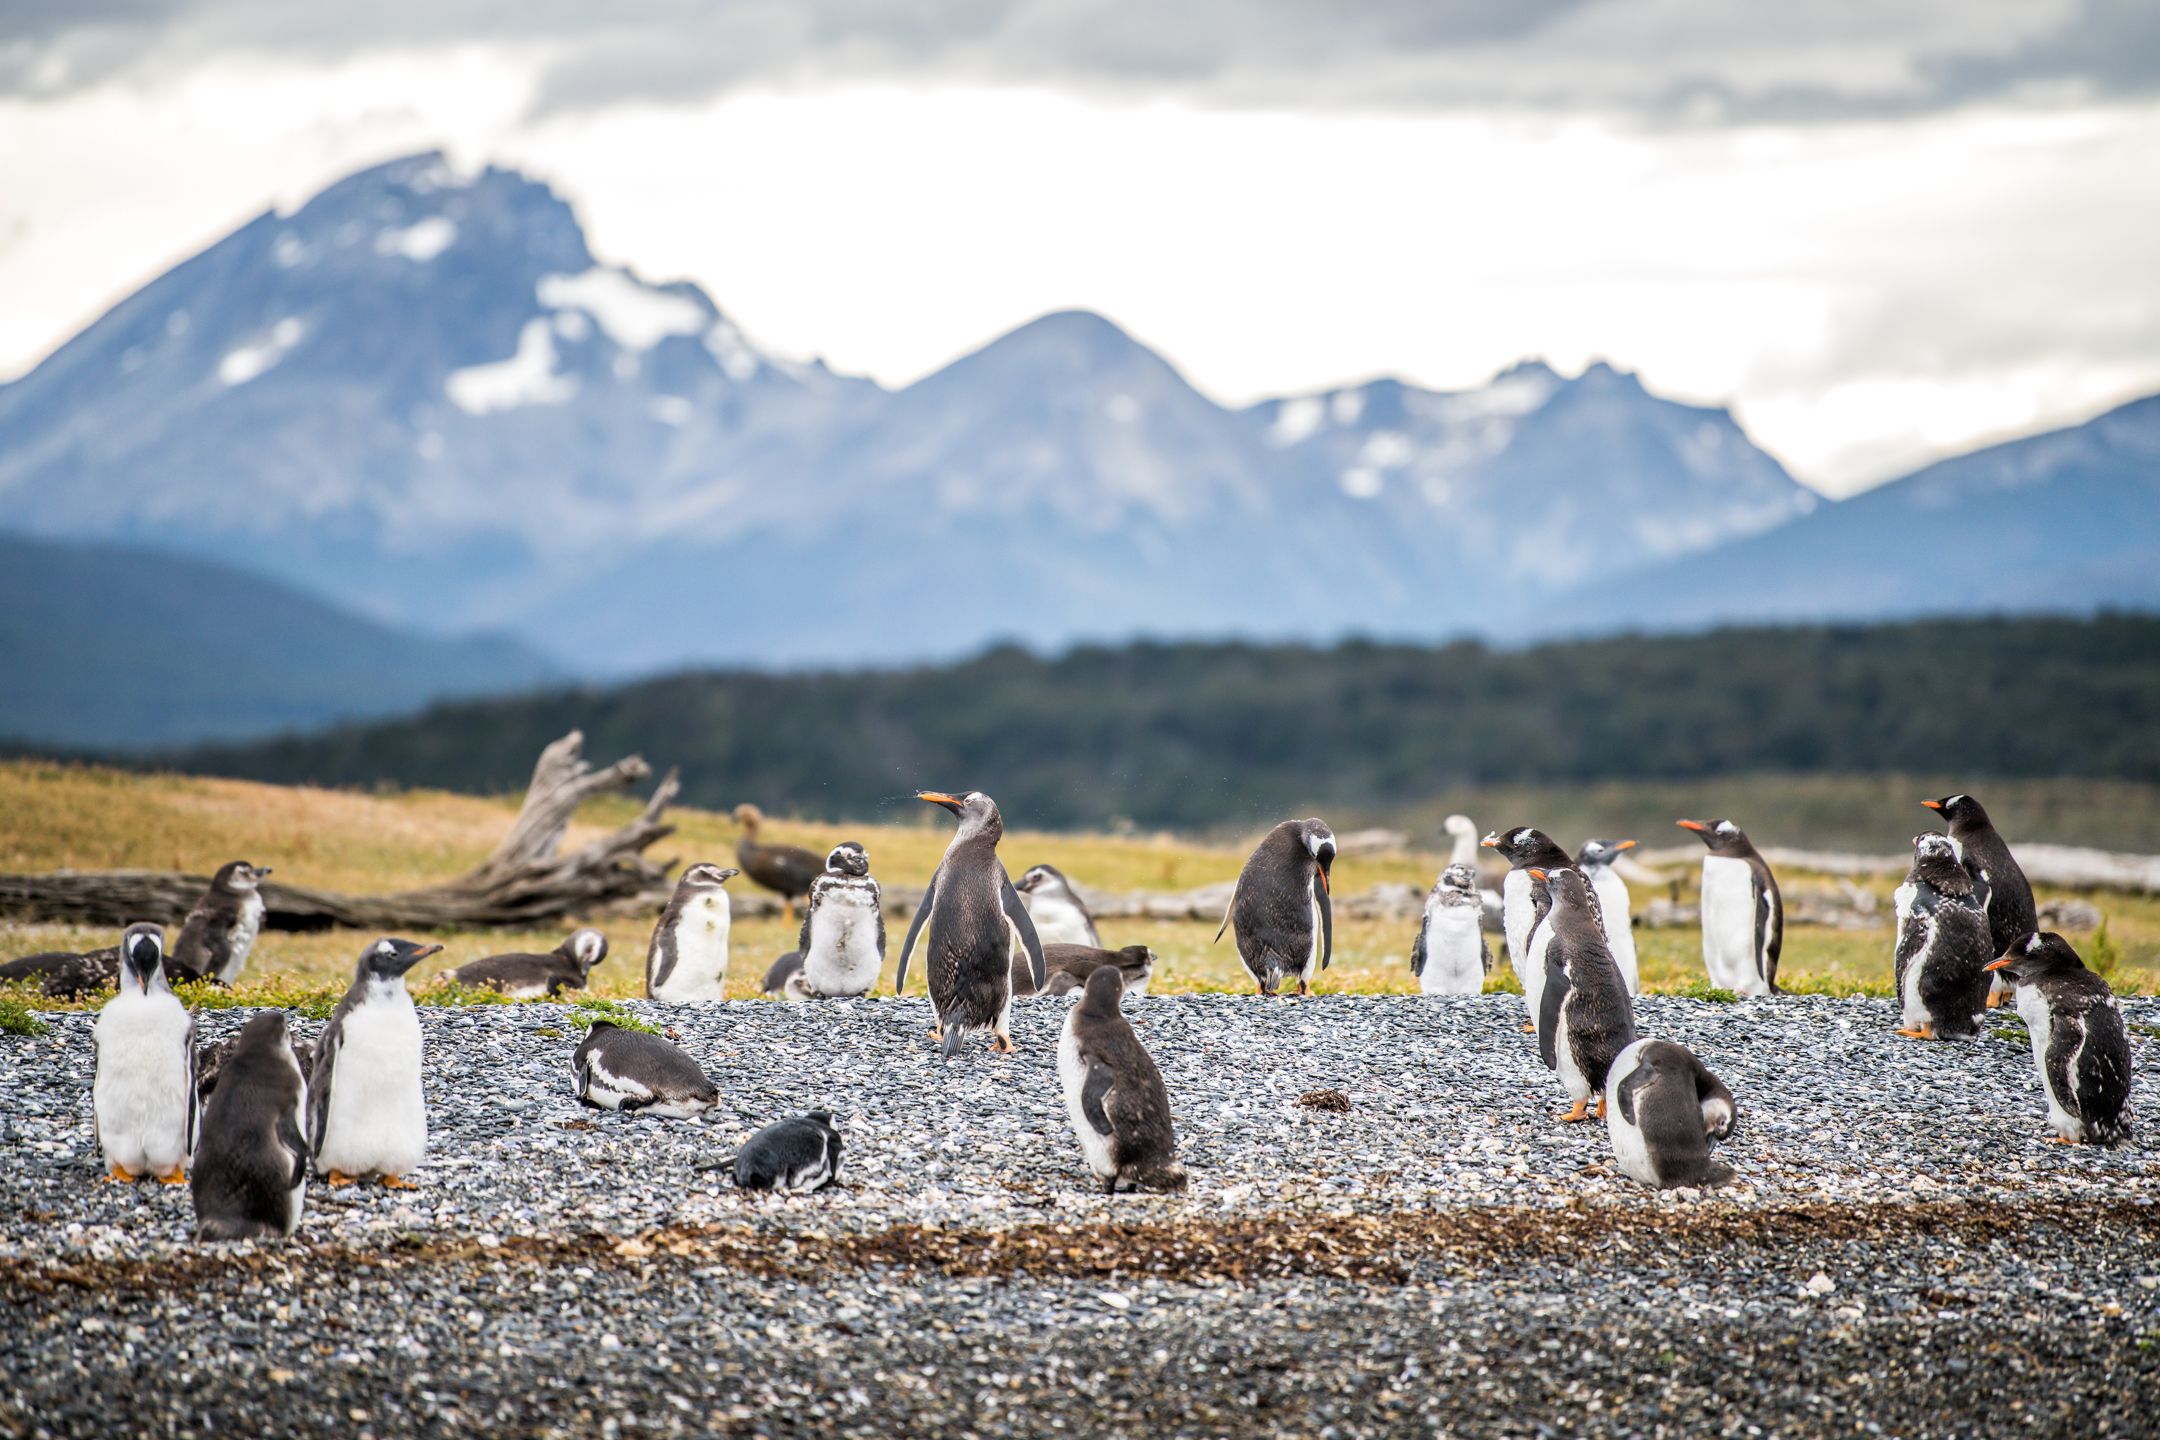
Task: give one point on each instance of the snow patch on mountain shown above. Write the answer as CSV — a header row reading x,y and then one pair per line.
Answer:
x,y
249,361
420,241
528,377
636,316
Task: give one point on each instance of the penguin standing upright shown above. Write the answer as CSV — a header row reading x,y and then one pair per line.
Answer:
x,y
1061,916
1743,916
976,922
1450,956
530,977
219,933
2005,895
2079,1044
1585,1017
142,1100
843,930
367,1114
1523,902
1595,860
1280,908
250,1178
1114,1094
1665,1109
1942,945
688,957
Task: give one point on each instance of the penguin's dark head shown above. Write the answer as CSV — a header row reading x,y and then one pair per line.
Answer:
x,y
1932,848
707,876
237,877
1105,989
848,858
1320,844
1596,854
1958,810
1566,884
1526,845
586,948
389,959
1721,836
1460,877
142,957
266,1028
2036,957
977,811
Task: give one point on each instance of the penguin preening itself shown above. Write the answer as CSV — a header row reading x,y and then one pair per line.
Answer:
x,y
1523,901
1450,956
220,931
688,957
367,1114
976,924
1666,1108
143,1102
1942,945
787,870
1066,968
1595,860
1743,916
1114,1094
2005,895
250,1178
1061,916
616,1068
2079,1044
843,931
1280,908
529,977
799,1154
1585,1017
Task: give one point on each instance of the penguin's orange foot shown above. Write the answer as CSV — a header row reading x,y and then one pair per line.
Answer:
x,y
1003,1045
937,1032
174,1176
396,1182
2059,1140
1579,1113
1917,1032
337,1179
118,1175
1997,998
1601,1107
1529,1027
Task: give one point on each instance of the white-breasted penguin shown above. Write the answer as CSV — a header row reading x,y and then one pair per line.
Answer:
x,y
799,1154
143,1104
1523,903
1585,1018
1743,916
1066,968
367,1113
2005,895
688,957
1450,956
1114,1095
2079,1044
1463,850
250,1179
635,1071
1061,916
1595,860
1280,909
219,933
1942,945
1666,1109
976,924
843,930
524,976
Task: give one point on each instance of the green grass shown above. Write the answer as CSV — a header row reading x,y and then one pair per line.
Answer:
x,y
16,1018
585,1013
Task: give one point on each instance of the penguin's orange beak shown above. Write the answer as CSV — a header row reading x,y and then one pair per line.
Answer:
x,y
1536,874
425,951
1624,845
1932,804
2003,964
1691,825
1489,843
939,797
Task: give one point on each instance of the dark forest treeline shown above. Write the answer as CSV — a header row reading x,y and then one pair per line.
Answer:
x,y
1191,735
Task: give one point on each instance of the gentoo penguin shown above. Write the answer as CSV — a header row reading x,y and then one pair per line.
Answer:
x,y
1585,1018
1666,1109
1450,956
143,1099
976,923
1595,860
688,957
366,1112
220,931
1061,916
1280,908
788,870
529,977
65,974
1743,916
1066,968
843,930
1523,902
1114,1094
1942,945
2005,895
777,976
251,1168
635,1071
210,1062
2079,1045
801,1153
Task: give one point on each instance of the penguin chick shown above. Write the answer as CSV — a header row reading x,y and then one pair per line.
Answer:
x,y
800,1154
1066,968
1585,1019
783,978
143,1103
977,926
615,1068
1061,916
210,1062
529,977
1280,907
1942,945
1449,955
1666,1110
688,957
219,933
250,1178
2079,1044
1743,916
367,1113
842,943
1114,1095
1595,860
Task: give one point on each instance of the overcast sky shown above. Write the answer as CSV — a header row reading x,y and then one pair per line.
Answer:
x,y
1883,231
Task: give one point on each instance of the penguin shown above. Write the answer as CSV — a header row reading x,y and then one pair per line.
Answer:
x,y
783,970
367,1114
250,1180
1061,916
143,1097
1523,903
1743,916
1066,968
1463,850
529,977
787,870
1595,860
2005,895
211,1060
1666,1110
1450,956
2079,1044
616,1068
65,974
843,930
799,1154
976,924
1585,1017
1114,1094
220,931
688,957
1942,945
1280,907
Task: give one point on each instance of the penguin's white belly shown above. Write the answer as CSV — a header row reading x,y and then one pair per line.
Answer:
x,y
1516,915
1532,972
1571,1075
1728,925
1612,899
377,1120
1914,1012
243,939
296,1198
843,958
1094,1147
2032,1008
701,953
1452,963
1631,1151
1312,956
141,1094
1058,921
604,1088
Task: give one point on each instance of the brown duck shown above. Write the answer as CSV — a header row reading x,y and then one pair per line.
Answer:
x,y
787,870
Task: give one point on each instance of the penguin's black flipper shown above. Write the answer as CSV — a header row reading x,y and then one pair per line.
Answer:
x,y
288,1134
1769,926
1095,1095
194,1095
2103,1076
1327,921
922,913
1417,953
1548,1025
1017,913
324,1073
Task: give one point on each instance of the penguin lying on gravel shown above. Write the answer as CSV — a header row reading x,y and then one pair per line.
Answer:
x,y
688,957
142,1098
251,1169
1280,908
1114,1094
367,1113
219,933
1066,968
800,1154
1942,945
843,931
615,1068
1595,860
1665,1111
2079,1044
1743,916
529,977
977,926
782,970
1585,1017
1061,916
1450,956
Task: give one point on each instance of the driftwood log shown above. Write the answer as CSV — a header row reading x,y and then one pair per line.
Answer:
x,y
525,881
